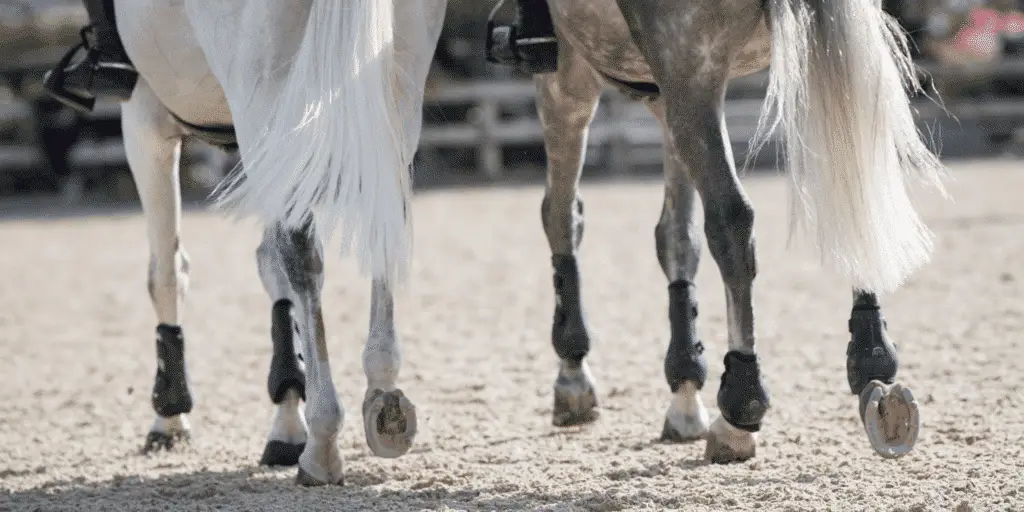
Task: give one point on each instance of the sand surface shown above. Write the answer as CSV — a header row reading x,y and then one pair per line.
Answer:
x,y
76,331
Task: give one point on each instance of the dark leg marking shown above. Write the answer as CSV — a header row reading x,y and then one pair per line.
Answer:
x,y
303,261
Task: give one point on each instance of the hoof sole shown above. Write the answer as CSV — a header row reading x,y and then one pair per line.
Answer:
x,y
891,417
389,422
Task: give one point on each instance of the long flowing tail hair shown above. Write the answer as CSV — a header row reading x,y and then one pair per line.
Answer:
x,y
335,146
838,86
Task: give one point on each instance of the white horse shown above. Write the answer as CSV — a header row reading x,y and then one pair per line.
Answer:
x,y
324,99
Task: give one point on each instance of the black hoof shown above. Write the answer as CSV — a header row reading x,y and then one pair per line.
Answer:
x,y
156,441
280,453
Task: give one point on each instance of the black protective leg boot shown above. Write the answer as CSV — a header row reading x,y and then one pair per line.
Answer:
x,y
102,69
529,43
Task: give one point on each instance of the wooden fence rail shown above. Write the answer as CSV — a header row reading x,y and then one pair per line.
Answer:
x,y
502,114
628,131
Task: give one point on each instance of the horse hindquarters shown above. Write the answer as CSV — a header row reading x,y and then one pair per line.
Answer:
x,y
326,134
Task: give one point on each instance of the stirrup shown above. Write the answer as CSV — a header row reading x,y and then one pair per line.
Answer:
x,y
91,75
53,80
505,46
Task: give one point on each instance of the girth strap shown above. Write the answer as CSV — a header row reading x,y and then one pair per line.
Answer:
x,y
222,136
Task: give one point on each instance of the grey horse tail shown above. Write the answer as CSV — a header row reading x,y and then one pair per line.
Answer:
x,y
839,74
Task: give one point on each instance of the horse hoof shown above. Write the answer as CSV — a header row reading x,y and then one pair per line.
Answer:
x,y
728,444
156,441
684,429
687,418
320,463
891,418
305,479
389,420
575,397
280,453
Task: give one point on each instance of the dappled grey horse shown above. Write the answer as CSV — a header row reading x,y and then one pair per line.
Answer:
x,y
837,89
323,99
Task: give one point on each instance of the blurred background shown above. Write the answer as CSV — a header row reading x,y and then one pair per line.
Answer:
x,y
481,125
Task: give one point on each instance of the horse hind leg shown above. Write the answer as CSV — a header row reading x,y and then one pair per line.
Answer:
x,y
693,71
743,399
286,380
678,244
742,396
389,418
567,100
153,147
888,410
301,255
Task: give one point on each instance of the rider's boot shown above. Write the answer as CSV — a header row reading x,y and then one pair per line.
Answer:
x,y
102,68
529,43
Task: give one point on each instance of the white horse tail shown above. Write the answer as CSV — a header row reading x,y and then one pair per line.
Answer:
x,y
838,76
335,147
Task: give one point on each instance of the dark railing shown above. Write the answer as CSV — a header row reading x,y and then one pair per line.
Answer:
x,y
500,114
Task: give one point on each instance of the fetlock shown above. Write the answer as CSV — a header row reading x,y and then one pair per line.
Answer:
x,y
171,395
569,333
287,371
870,355
743,398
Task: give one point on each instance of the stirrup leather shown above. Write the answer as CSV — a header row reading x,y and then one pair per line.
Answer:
x,y
78,86
505,45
